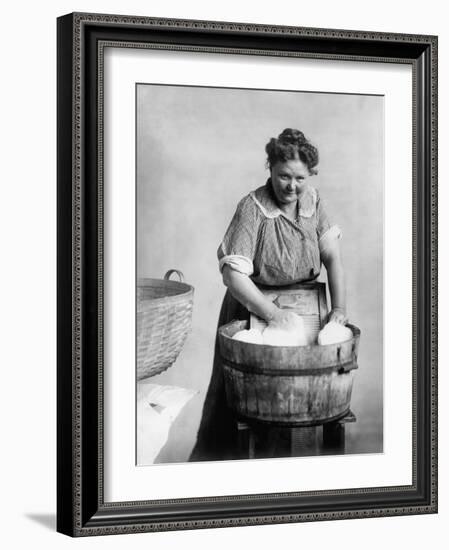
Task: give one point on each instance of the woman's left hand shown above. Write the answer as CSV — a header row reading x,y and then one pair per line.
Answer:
x,y
337,315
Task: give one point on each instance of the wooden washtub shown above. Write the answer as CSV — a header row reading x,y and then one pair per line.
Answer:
x,y
289,386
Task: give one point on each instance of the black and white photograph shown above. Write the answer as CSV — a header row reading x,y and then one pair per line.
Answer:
x,y
259,273
223,299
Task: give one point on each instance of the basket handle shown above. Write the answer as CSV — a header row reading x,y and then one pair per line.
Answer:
x,y
178,273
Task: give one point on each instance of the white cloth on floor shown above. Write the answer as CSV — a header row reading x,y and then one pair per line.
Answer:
x,y
157,408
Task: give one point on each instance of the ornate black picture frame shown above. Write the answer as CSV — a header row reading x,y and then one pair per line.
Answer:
x,y
81,509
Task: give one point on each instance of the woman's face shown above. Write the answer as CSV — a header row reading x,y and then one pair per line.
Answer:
x,y
288,180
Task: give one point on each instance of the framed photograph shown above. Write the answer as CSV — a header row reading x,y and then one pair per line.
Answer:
x,y
247,274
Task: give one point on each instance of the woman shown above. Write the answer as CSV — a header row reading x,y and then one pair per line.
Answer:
x,y
279,235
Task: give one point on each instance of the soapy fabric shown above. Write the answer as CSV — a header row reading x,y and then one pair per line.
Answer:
x,y
251,336
291,333
334,333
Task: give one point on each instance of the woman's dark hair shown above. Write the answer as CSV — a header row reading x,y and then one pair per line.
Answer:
x,y
290,145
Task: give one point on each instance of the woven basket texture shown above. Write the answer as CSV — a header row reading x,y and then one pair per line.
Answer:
x,y
164,319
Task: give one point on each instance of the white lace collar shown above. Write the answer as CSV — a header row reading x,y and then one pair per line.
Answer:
x,y
264,199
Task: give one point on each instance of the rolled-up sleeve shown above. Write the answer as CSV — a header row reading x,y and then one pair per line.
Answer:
x,y
328,233
238,247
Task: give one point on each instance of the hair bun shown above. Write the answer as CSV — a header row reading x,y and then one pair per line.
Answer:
x,y
290,135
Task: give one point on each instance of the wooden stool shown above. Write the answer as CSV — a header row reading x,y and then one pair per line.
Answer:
x,y
334,433
265,441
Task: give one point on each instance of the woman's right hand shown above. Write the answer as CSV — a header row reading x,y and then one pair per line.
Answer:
x,y
337,315
246,292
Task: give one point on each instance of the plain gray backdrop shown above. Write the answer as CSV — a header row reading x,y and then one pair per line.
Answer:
x,y
199,151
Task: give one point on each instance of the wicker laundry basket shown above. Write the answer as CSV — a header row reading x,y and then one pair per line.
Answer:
x,y
164,318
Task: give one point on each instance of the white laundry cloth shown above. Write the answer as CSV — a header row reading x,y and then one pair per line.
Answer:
x,y
291,333
252,336
157,408
334,333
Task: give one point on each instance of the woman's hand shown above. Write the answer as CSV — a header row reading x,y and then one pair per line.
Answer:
x,y
337,315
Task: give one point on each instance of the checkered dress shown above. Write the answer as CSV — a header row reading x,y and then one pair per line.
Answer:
x,y
262,242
